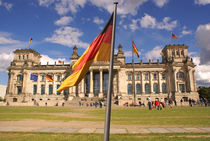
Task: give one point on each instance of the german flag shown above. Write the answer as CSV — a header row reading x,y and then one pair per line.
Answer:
x,y
99,50
60,62
135,49
30,41
49,77
173,36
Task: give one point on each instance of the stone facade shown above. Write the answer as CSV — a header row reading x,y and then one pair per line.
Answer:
x,y
173,79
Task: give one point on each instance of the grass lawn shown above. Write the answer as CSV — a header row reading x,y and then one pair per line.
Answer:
x,y
27,136
181,116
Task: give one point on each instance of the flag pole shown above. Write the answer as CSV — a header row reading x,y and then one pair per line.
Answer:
x,y
109,95
133,78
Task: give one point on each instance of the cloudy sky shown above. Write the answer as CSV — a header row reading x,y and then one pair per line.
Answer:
x,y
57,25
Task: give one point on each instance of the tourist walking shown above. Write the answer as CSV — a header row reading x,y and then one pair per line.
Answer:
x,y
149,103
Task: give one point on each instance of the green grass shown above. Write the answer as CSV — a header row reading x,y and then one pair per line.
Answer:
x,y
26,136
182,116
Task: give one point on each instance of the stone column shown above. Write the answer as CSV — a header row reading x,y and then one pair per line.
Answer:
x,y
91,83
142,84
38,85
82,88
150,82
159,82
190,80
175,81
54,84
24,86
11,83
101,83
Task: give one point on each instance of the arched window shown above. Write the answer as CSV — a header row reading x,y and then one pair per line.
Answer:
x,y
129,89
42,89
164,88
50,89
138,89
147,91
180,75
155,88
35,89
182,52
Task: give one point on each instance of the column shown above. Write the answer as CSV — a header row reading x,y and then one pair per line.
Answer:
x,y
142,84
159,82
190,80
101,83
150,82
54,84
91,83
82,88
24,91
38,85
175,85
11,83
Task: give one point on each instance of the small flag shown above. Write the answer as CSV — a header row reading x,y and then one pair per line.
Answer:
x,y
30,41
135,49
33,77
99,50
49,77
60,62
173,36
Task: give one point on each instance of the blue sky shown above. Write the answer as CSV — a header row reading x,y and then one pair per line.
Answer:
x,y
57,25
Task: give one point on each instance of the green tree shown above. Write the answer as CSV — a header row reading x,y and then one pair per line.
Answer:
x,y
204,92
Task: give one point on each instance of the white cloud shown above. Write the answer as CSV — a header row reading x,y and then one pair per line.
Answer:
x,y
154,53
124,6
128,53
8,6
202,2
65,6
160,3
5,39
185,31
150,22
46,2
134,25
5,60
202,73
46,59
97,20
67,36
203,40
63,21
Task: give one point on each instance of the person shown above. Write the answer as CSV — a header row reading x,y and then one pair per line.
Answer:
x,y
149,103
190,102
181,101
170,103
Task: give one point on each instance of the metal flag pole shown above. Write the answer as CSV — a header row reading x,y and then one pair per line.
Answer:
x,y
109,95
133,78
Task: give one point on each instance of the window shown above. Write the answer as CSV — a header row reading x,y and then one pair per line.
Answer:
x,y
34,89
19,89
58,78
180,75
50,89
155,88
66,91
129,76
42,89
146,76
182,52
19,57
129,89
164,88
177,52
138,89
23,57
58,93
185,99
155,76
163,76
27,56
147,91
137,77
19,78
14,99
173,53
181,88
43,78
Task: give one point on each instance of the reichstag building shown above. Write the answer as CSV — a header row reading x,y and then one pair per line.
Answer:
x,y
170,79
